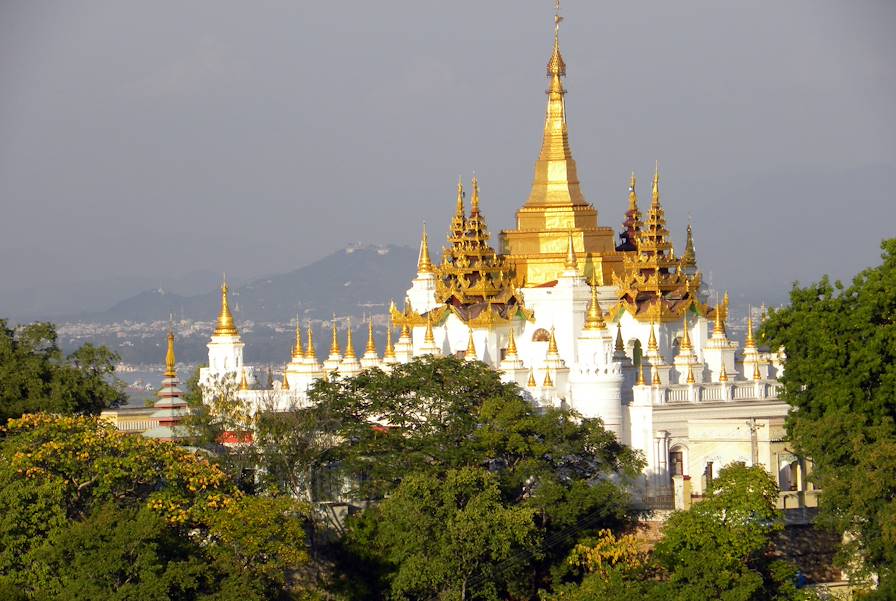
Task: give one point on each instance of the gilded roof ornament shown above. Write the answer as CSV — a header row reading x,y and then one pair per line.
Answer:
x,y
552,343
651,343
571,261
594,320
429,338
620,345
689,258
349,345
244,382
685,337
225,325
750,342
424,264
511,345
531,383
757,375
723,377
285,384
334,343
309,348
656,376
471,347
297,352
474,198
371,345
640,380
548,382
389,353
691,379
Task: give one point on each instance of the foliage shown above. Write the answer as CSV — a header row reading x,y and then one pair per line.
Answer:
x,y
840,378
719,549
36,376
87,512
444,414
449,537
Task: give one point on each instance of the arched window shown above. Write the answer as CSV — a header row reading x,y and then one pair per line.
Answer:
x,y
541,335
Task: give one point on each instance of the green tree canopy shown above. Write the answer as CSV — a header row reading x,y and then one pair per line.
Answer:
x,y
87,512
36,376
840,377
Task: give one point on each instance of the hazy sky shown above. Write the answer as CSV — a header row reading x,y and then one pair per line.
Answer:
x,y
254,137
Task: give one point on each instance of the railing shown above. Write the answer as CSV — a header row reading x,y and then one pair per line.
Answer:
x,y
715,392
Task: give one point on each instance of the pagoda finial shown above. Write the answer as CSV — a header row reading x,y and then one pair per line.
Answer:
x,y
511,345
244,381
349,345
556,66
594,320
334,343
424,264
656,376
620,345
552,343
757,375
750,342
531,383
691,379
571,261
309,348
389,353
170,372
470,354
640,380
429,338
719,326
285,385
297,352
474,197
723,377
655,194
548,382
685,337
225,326
371,345
461,212
689,258
651,343
632,194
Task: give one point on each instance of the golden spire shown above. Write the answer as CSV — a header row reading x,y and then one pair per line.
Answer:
x,y
309,349
334,344
460,198
548,382
656,376
349,345
594,320
689,258
297,352
620,345
640,381
471,347
571,262
651,343
723,377
390,349
691,378
632,195
655,194
424,265
371,345
405,331
719,327
750,342
474,198
531,383
685,337
757,375
244,382
285,385
511,345
225,326
552,343
429,338
170,372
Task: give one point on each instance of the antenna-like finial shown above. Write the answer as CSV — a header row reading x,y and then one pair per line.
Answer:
x,y
557,17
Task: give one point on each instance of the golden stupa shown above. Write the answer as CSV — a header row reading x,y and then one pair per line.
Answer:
x,y
555,207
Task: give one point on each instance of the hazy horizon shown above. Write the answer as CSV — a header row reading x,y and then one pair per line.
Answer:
x,y
164,139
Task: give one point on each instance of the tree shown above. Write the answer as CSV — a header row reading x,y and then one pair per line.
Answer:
x,y
719,549
36,376
449,537
88,512
840,378
434,415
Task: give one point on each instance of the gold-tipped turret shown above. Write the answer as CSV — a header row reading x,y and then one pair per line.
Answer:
x,y
750,343
461,212
297,352
309,348
688,260
594,320
424,264
474,197
511,345
685,337
334,342
719,326
552,344
470,354
389,353
225,325
371,345
632,225
170,372
349,345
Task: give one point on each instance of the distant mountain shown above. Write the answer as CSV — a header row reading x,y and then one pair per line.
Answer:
x,y
351,281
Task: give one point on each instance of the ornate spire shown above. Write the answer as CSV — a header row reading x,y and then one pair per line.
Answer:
x,y
389,353
170,372
309,348
334,343
750,343
691,379
461,212
424,265
594,320
244,382
511,345
474,198
285,385
371,345
429,338
689,258
349,345
531,383
620,345
224,326
685,337
757,375
723,377
297,352
548,382
552,344
470,355
651,343
719,326
655,193
632,224
571,263
656,376
640,381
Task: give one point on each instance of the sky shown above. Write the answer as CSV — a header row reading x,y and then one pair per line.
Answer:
x,y
162,138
